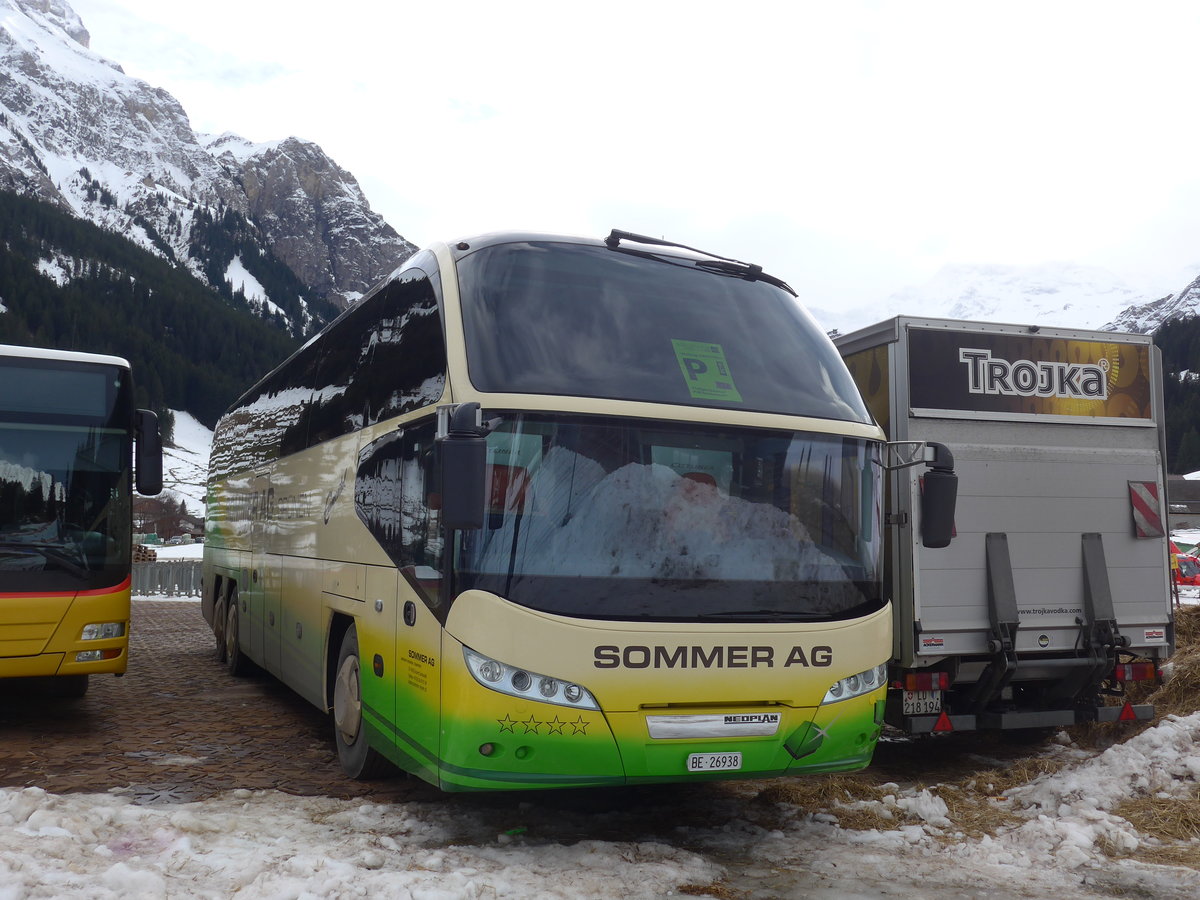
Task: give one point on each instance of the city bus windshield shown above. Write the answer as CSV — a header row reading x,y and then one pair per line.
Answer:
x,y
64,477
546,317
636,519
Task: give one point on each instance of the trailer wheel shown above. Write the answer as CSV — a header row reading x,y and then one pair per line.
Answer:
x,y
357,758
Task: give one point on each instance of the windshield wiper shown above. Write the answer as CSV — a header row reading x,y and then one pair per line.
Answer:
x,y
722,265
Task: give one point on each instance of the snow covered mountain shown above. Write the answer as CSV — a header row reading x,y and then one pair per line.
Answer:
x,y
1146,317
1060,294
290,230
77,132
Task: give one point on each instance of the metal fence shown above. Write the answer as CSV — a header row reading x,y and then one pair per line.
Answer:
x,y
170,578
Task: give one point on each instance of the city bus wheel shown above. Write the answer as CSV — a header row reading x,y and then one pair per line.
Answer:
x,y
235,661
219,630
358,760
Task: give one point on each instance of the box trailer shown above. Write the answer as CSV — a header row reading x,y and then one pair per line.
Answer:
x,y
1054,593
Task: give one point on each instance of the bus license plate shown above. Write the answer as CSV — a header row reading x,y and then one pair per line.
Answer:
x,y
714,762
922,703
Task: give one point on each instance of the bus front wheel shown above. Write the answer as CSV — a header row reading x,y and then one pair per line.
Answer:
x,y
71,687
358,760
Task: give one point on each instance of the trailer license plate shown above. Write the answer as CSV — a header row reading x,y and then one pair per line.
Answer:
x,y
714,762
922,703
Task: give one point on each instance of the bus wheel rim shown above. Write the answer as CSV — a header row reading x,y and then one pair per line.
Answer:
x,y
231,637
347,705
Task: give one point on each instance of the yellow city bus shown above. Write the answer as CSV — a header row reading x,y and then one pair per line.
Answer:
x,y
546,512
67,429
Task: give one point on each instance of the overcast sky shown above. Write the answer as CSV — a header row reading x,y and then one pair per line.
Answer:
x,y
851,148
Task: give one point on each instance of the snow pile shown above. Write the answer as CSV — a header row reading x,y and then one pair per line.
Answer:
x,y
271,845
268,844
1072,819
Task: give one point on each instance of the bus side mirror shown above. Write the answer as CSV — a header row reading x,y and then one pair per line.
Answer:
x,y
939,497
464,462
148,465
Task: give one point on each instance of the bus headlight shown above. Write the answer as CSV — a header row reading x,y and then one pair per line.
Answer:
x,y
528,685
856,685
102,630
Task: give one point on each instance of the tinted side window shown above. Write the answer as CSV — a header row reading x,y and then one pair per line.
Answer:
x,y
384,357
395,496
270,421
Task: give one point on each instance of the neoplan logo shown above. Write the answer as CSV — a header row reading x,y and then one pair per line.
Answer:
x,y
1029,378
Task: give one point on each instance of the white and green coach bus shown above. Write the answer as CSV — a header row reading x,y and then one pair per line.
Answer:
x,y
545,512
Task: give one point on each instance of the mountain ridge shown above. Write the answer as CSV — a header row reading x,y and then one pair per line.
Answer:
x,y
1066,295
77,132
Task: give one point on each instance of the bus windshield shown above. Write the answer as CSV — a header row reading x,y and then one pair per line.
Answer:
x,y
628,519
64,478
546,317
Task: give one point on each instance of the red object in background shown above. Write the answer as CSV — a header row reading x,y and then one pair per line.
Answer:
x,y
1188,571
508,485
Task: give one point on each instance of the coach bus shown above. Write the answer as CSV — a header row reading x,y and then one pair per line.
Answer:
x,y
67,432
546,512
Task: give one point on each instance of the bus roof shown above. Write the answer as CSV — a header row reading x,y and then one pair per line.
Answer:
x,y
62,355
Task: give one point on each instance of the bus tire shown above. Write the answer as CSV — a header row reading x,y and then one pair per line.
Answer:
x,y
218,627
236,662
357,758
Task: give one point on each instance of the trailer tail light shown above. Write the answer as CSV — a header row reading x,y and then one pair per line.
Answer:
x,y
1143,671
926,681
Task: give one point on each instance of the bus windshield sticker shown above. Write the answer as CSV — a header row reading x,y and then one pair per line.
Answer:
x,y
705,371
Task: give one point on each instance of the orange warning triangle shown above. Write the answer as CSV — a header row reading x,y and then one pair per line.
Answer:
x,y
943,723
1127,713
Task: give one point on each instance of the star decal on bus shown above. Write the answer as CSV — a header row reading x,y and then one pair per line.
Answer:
x,y
531,725
555,726
579,725
507,724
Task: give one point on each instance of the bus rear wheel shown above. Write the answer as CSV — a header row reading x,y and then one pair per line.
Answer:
x,y
235,661
357,758
218,627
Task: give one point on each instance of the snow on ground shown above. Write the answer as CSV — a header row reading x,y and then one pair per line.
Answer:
x,y
185,465
179,551
268,844
273,845
240,279
1186,535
